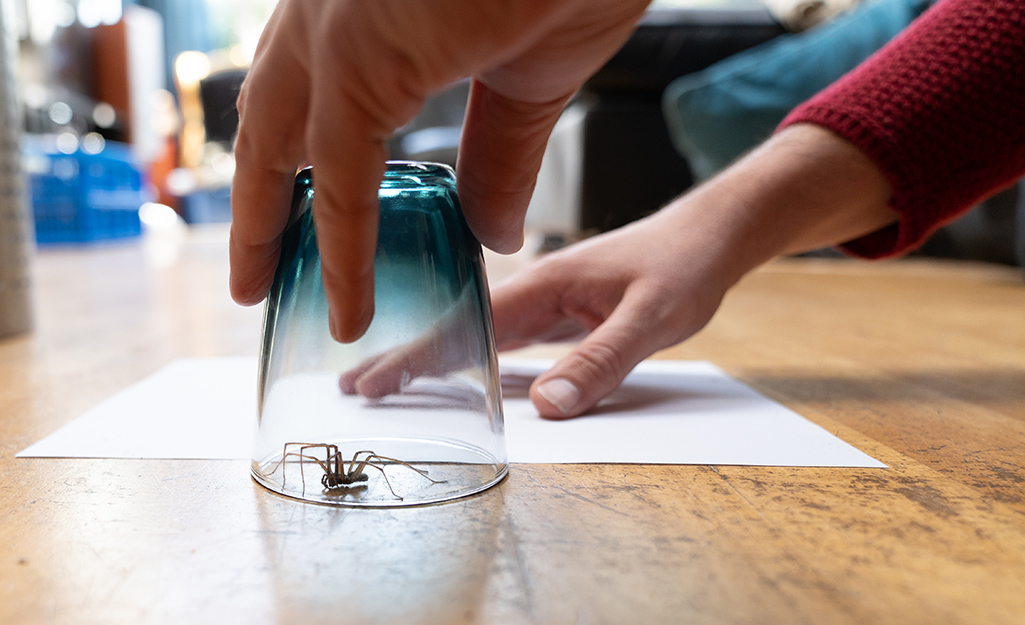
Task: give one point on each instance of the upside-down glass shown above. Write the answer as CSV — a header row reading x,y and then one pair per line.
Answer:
x,y
411,413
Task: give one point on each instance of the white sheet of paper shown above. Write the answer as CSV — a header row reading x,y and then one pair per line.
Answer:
x,y
195,408
666,412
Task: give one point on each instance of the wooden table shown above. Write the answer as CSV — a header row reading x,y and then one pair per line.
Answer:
x,y
920,364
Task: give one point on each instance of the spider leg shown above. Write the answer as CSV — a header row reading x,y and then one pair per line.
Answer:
x,y
331,452
284,455
366,463
284,459
353,470
337,473
422,472
302,454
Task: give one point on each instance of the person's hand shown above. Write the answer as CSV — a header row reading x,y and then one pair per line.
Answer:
x,y
654,283
649,285
623,295
450,345
626,294
333,79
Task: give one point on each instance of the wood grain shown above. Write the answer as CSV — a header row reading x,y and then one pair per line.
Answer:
x,y
920,364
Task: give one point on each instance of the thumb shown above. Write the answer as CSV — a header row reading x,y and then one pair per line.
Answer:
x,y
595,368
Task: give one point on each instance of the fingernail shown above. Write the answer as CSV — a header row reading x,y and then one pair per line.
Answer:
x,y
332,324
560,393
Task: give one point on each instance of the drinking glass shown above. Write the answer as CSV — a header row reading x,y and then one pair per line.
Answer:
x,y
411,413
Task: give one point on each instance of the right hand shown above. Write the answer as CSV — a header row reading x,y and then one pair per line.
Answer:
x,y
333,79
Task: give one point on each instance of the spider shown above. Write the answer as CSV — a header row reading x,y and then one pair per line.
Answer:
x,y
335,477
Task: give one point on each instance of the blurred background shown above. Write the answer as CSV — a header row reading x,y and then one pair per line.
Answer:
x,y
129,106
128,111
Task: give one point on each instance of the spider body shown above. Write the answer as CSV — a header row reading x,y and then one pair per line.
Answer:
x,y
336,477
331,482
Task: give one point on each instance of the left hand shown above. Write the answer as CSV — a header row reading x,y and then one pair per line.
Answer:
x,y
624,295
651,284
654,283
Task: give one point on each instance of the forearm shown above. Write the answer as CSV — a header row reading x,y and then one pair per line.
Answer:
x,y
803,189
939,111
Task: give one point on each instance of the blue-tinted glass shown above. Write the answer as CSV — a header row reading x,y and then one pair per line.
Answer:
x,y
432,315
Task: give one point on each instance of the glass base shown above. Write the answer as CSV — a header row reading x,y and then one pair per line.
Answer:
x,y
379,472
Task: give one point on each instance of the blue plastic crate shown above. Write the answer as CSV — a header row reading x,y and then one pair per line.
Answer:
x,y
82,197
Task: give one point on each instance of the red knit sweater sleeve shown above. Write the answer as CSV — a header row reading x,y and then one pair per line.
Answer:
x,y
941,112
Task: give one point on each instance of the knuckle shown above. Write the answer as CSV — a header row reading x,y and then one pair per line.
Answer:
x,y
349,276
601,361
319,144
